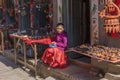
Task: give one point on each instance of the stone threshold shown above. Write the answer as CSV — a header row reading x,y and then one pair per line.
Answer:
x,y
72,72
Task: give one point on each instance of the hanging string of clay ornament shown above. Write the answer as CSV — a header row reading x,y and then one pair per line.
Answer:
x,y
111,13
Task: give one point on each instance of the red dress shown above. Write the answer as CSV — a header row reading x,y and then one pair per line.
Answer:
x,y
56,57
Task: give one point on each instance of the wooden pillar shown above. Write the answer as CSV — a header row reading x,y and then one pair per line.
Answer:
x,y
94,22
1,3
57,11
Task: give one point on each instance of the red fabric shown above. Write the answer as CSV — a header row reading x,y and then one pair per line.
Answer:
x,y
117,2
41,41
11,36
55,57
51,19
32,20
32,5
32,15
115,35
16,13
51,9
51,1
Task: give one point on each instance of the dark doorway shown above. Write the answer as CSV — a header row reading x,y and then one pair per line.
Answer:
x,y
81,25
81,21
77,20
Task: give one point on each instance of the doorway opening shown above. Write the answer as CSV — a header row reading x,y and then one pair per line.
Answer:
x,y
80,21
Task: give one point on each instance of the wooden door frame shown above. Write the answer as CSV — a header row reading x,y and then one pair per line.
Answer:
x,y
94,27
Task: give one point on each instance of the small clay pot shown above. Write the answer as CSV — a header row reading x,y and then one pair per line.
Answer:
x,y
102,56
113,58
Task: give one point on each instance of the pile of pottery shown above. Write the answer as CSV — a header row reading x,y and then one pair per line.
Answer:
x,y
112,54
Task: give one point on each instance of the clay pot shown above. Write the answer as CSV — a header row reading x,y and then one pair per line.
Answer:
x,y
113,58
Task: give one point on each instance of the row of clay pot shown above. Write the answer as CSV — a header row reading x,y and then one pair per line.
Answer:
x,y
106,53
112,29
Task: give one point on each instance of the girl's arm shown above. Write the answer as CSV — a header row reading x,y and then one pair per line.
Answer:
x,y
63,43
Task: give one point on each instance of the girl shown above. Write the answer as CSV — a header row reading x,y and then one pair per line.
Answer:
x,y
54,56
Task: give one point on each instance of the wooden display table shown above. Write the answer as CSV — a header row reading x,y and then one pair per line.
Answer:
x,y
104,55
33,44
2,36
2,41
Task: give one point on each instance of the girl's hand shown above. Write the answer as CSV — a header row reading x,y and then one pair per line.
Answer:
x,y
53,45
53,42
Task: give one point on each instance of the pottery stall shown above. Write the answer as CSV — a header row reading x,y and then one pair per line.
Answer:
x,y
104,57
110,16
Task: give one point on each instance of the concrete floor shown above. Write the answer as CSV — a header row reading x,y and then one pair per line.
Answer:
x,y
10,71
78,72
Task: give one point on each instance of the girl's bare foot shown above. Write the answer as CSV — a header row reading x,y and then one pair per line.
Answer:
x,y
48,68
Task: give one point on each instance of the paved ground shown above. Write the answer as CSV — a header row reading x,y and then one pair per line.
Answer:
x,y
10,71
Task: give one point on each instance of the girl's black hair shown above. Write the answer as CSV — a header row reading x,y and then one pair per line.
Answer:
x,y
60,24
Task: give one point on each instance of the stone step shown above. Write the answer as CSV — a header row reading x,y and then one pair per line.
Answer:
x,y
50,78
110,76
108,67
72,72
103,79
10,71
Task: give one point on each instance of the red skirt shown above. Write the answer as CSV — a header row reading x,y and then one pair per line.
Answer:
x,y
55,57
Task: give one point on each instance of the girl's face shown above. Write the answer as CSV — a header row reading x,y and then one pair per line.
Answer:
x,y
59,28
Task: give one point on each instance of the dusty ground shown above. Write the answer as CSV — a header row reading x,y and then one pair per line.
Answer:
x,y
10,71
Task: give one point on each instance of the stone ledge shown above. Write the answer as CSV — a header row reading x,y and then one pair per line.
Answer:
x,y
71,74
50,78
103,79
45,72
106,67
110,76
